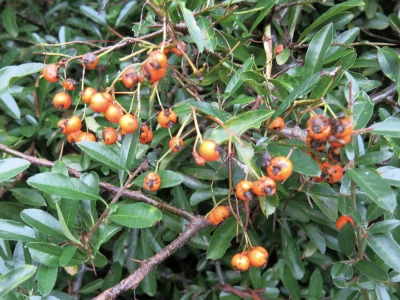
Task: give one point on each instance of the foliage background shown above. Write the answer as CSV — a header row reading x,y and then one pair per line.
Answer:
x,y
308,257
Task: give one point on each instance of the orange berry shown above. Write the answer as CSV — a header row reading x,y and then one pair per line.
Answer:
x,y
50,73
280,168
146,135
113,113
73,136
319,127
342,127
152,181
334,155
99,103
278,50
331,173
244,190
339,143
176,144
110,135
167,118
130,78
86,137
240,261
128,123
62,100
90,61
218,215
155,67
209,150
62,124
277,125
69,84
87,94
318,145
109,97
258,256
73,124
264,186
343,220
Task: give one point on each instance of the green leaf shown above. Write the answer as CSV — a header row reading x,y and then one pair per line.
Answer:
x,y
10,74
63,186
11,167
10,106
347,239
128,148
389,62
208,32
103,154
15,231
290,283
372,270
291,253
29,197
328,205
334,10
384,226
240,124
14,278
315,290
375,187
210,110
389,129
180,198
316,51
386,248
43,222
390,174
204,194
128,9
235,82
67,254
222,237
381,292
194,29
168,179
137,215
65,228
9,20
49,254
363,109
93,15
267,5
47,278
91,286
372,158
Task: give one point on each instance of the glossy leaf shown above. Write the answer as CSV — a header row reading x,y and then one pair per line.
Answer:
x,y
14,278
194,29
11,73
43,222
11,167
347,239
239,125
372,270
316,284
222,237
137,215
9,20
47,278
386,248
10,106
29,197
49,254
62,186
389,128
103,154
128,148
204,194
168,179
15,231
375,187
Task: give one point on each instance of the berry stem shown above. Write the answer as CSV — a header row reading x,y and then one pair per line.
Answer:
x,y
196,125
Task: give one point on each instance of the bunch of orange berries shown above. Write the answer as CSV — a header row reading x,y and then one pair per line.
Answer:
x,y
256,257
337,132
153,69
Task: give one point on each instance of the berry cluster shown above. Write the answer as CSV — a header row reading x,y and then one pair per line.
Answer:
x,y
337,132
256,257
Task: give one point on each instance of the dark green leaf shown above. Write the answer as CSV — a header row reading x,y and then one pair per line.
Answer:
x,y
67,254
43,222
315,291
316,51
204,194
14,278
137,215
210,110
29,197
93,15
290,283
389,62
386,248
9,20
15,231
11,73
49,254
65,228
389,128
240,124
125,12
194,29
291,253
347,239
128,148
375,187
372,270
11,167
374,157
10,106
47,278
63,186
222,237
102,154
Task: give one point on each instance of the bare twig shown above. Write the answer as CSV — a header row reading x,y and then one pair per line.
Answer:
x,y
383,95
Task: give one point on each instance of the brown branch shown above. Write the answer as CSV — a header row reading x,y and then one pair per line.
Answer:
x,y
136,195
283,6
227,288
383,95
133,280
